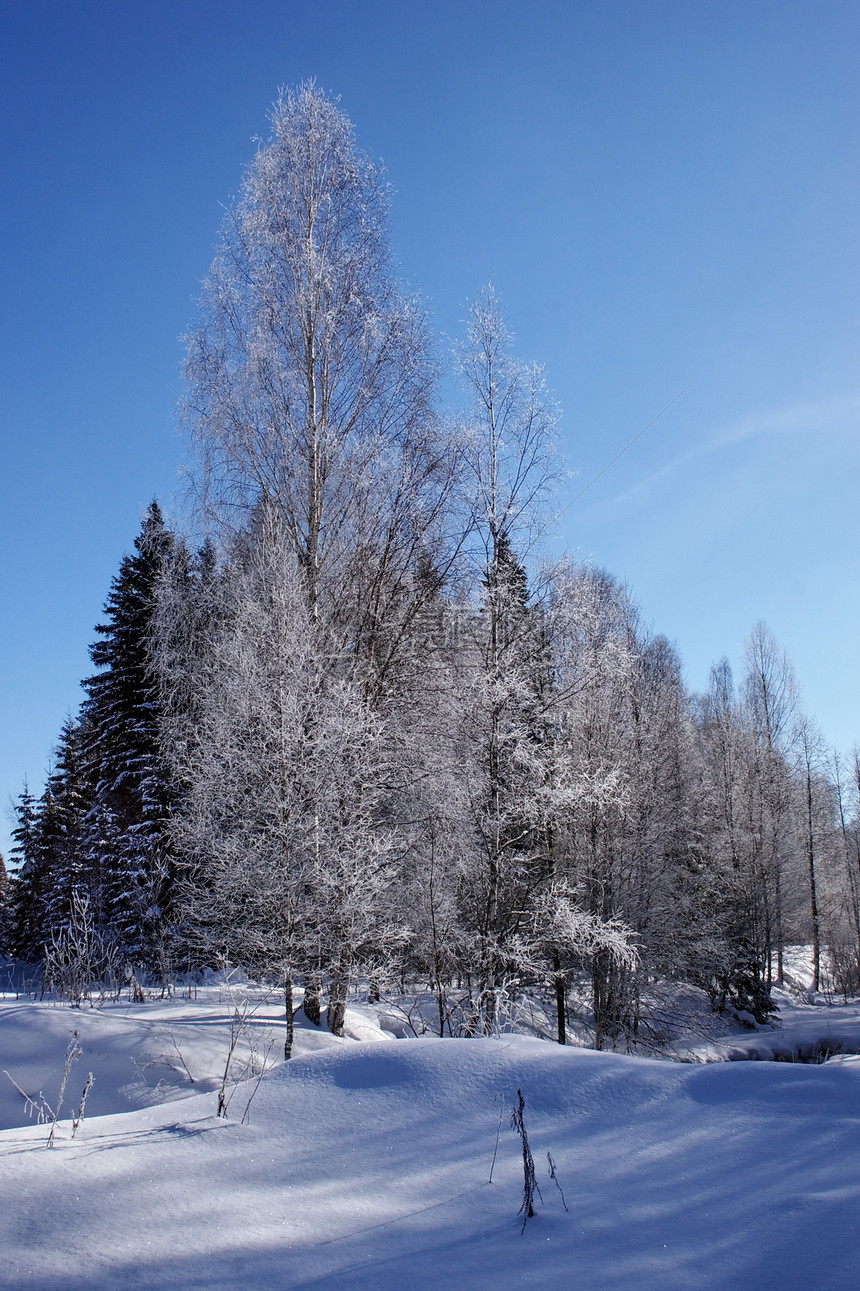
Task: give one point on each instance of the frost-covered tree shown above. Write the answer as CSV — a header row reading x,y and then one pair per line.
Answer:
x,y
310,410
770,695
310,384
844,938
749,820
734,876
623,805
808,744
425,806
285,856
507,467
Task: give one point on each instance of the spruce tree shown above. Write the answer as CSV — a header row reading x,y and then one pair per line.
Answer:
x,y
26,913
5,893
124,846
63,810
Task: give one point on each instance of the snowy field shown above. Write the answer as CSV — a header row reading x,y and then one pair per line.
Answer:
x,y
364,1162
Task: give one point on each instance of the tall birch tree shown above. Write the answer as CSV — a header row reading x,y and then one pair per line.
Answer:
x,y
310,385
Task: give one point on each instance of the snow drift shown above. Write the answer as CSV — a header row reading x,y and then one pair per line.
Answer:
x,y
366,1166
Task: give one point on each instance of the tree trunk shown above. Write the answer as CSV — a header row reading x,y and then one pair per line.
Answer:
x,y
560,1010
598,996
312,1005
288,1017
337,1003
813,894
780,943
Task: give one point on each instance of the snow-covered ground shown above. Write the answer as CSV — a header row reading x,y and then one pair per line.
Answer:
x,y
146,1054
366,1165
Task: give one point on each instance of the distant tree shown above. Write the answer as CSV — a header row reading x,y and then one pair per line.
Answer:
x,y
619,803
62,812
25,915
5,907
809,758
735,875
771,696
845,934
47,846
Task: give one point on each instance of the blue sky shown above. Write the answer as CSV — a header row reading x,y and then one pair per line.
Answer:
x,y
661,192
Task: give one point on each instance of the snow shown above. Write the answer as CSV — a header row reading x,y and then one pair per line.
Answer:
x,y
143,1054
365,1164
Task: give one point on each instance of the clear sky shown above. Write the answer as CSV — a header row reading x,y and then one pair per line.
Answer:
x,y
662,191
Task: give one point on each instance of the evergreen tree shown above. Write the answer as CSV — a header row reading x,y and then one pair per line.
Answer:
x,y
26,901
508,466
124,847
62,812
5,894
507,767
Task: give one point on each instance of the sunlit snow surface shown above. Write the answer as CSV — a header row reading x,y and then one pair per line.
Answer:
x,y
366,1164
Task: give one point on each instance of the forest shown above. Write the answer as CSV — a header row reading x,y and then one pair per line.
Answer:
x,y
351,730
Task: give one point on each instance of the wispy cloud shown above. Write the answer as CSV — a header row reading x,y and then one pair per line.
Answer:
x,y
834,416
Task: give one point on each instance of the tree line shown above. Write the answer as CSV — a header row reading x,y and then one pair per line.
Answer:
x,y
360,736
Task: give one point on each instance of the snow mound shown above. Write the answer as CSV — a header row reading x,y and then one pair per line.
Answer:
x,y
367,1166
146,1054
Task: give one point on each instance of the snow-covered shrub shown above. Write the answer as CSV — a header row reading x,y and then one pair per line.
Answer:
x,y
80,959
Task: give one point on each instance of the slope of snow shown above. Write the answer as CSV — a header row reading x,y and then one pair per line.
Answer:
x,y
143,1054
366,1166
808,1026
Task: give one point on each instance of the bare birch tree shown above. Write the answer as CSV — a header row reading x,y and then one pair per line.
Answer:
x,y
285,857
771,695
310,384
